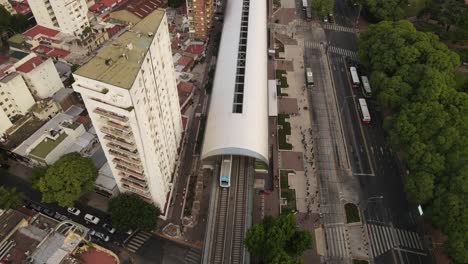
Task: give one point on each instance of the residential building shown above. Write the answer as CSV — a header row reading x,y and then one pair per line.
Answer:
x,y
68,16
30,237
200,16
40,75
133,11
8,6
60,135
129,89
15,99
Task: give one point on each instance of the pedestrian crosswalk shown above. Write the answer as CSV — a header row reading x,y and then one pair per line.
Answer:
x,y
344,52
336,27
383,238
331,49
137,240
336,241
193,256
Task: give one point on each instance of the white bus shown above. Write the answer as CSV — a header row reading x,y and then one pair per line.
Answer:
x,y
225,174
366,88
354,77
309,78
364,111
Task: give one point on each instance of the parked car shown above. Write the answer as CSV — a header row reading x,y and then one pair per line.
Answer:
x,y
74,211
129,232
91,218
60,217
35,207
325,19
109,228
48,212
330,18
99,235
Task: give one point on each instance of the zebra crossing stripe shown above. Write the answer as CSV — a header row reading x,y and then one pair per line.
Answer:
x,y
380,239
373,250
414,238
407,239
400,236
394,237
132,248
142,239
135,243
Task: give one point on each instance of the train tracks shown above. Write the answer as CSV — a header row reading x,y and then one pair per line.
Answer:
x,y
227,240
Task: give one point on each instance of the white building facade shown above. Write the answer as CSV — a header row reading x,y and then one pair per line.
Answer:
x,y
129,89
8,6
68,16
40,75
15,99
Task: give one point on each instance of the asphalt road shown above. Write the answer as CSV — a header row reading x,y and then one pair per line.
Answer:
x,y
384,200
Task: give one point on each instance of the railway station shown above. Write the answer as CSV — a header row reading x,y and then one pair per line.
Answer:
x,y
237,122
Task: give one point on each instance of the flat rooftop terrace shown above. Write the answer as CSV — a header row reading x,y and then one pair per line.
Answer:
x,y
119,62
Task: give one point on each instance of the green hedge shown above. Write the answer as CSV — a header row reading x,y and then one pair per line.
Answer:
x,y
352,213
283,132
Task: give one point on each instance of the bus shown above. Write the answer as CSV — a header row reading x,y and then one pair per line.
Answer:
x,y
309,78
225,174
366,89
354,77
365,115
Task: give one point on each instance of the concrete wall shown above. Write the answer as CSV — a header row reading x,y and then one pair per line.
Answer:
x,y
44,80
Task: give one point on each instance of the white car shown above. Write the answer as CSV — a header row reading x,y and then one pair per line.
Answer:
x,y
74,211
325,19
109,228
91,218
99,235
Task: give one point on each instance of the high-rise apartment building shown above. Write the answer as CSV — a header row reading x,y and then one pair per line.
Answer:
x,y
68,16
200,15
129,89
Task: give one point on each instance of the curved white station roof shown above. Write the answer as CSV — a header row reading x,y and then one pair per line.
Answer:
x,y
245,133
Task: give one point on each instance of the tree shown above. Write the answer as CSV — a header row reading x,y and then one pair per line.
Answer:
x,y
68,179
9,198
385,9
12,23
277,240
37,174
323,7
175,3
130,211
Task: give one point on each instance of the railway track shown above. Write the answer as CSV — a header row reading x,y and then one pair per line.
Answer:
x,y
220,227
227,239
238,230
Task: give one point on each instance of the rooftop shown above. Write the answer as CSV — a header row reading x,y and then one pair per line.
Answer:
x,y
47,145
119,62
30,64
50,52
142,8
34,31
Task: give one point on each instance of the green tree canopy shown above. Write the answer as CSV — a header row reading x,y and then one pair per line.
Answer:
x,y
68,179
385,9
277,240
323,7
12,23
9,198
129,211
427,119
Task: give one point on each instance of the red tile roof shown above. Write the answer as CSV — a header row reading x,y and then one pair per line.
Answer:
x,y
51,52
33,32
185,60
21,7
195,49
30,64
142,8
185,87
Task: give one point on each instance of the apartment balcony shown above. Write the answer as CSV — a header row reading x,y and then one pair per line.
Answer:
x,y
110,115
136,168
135,160
130,172
116,148
117,133
120,142
134,181
140,191
118,126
